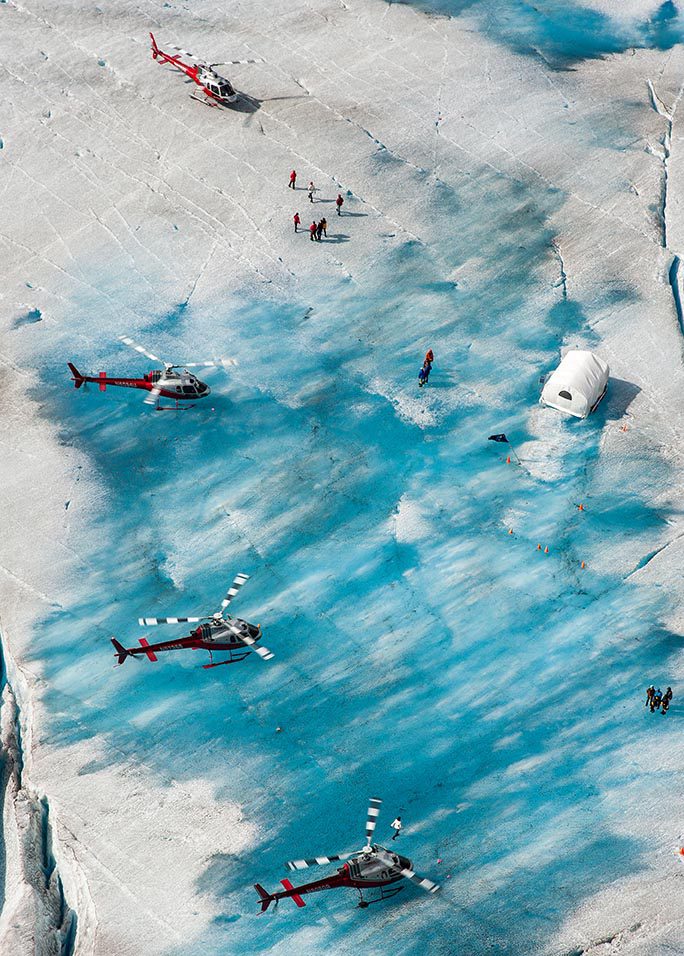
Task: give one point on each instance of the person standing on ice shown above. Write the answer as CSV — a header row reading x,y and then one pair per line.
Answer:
x,y
655,703
312,231
668,694
323,227
339,202
424,373
666,705
293,179
650,691
311,190
296,220
396,826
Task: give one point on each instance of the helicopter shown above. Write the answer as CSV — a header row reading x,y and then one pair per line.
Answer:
x,y
217,632
370,868
217,90
169,383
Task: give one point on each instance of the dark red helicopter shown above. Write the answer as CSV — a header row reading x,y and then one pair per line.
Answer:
x,y
217,633
169,383
373,867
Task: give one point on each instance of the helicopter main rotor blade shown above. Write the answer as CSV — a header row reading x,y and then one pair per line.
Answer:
x,y
420,881
219,363
246,638
153,621
131,343
236,62
153,395
372,818
317,861
184,52
238,581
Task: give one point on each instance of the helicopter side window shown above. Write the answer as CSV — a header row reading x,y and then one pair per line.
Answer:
x,y
189,390
178,388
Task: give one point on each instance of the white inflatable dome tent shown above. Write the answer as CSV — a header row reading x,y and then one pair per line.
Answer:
x,y
577,385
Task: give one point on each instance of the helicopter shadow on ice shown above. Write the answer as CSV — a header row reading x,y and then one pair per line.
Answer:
x,y
250,104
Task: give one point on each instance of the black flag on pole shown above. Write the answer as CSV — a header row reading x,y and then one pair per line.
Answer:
x,y
501,437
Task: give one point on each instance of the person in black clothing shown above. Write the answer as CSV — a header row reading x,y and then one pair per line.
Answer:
x,y
666,705
655,703
650,691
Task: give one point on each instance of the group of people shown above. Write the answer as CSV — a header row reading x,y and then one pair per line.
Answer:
x,y
655,699
424,373
316,229
319,229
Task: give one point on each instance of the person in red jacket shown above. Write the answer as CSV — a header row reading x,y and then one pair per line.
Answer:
x,y
429,357
293,178
312,231
296,220
339,202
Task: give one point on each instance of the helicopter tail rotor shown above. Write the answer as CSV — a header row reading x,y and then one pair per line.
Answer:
x,y
266,898
76,375
121,652
372,818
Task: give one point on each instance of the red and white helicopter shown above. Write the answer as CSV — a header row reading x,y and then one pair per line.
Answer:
x,y
219,632
370,868
169,383
217,90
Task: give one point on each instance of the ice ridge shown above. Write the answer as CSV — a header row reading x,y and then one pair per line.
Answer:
x,y
32,878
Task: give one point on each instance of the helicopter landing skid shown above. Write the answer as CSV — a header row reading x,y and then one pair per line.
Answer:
x,y
207,100
233,659
385,894
173,408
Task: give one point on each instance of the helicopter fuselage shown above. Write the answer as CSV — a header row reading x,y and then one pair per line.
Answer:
x,y
181,386
211,636
365,871
214,86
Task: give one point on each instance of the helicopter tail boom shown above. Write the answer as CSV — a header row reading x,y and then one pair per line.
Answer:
x,y
155,48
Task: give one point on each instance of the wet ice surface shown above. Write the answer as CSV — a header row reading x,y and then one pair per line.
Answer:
x,y
488,692
564,33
